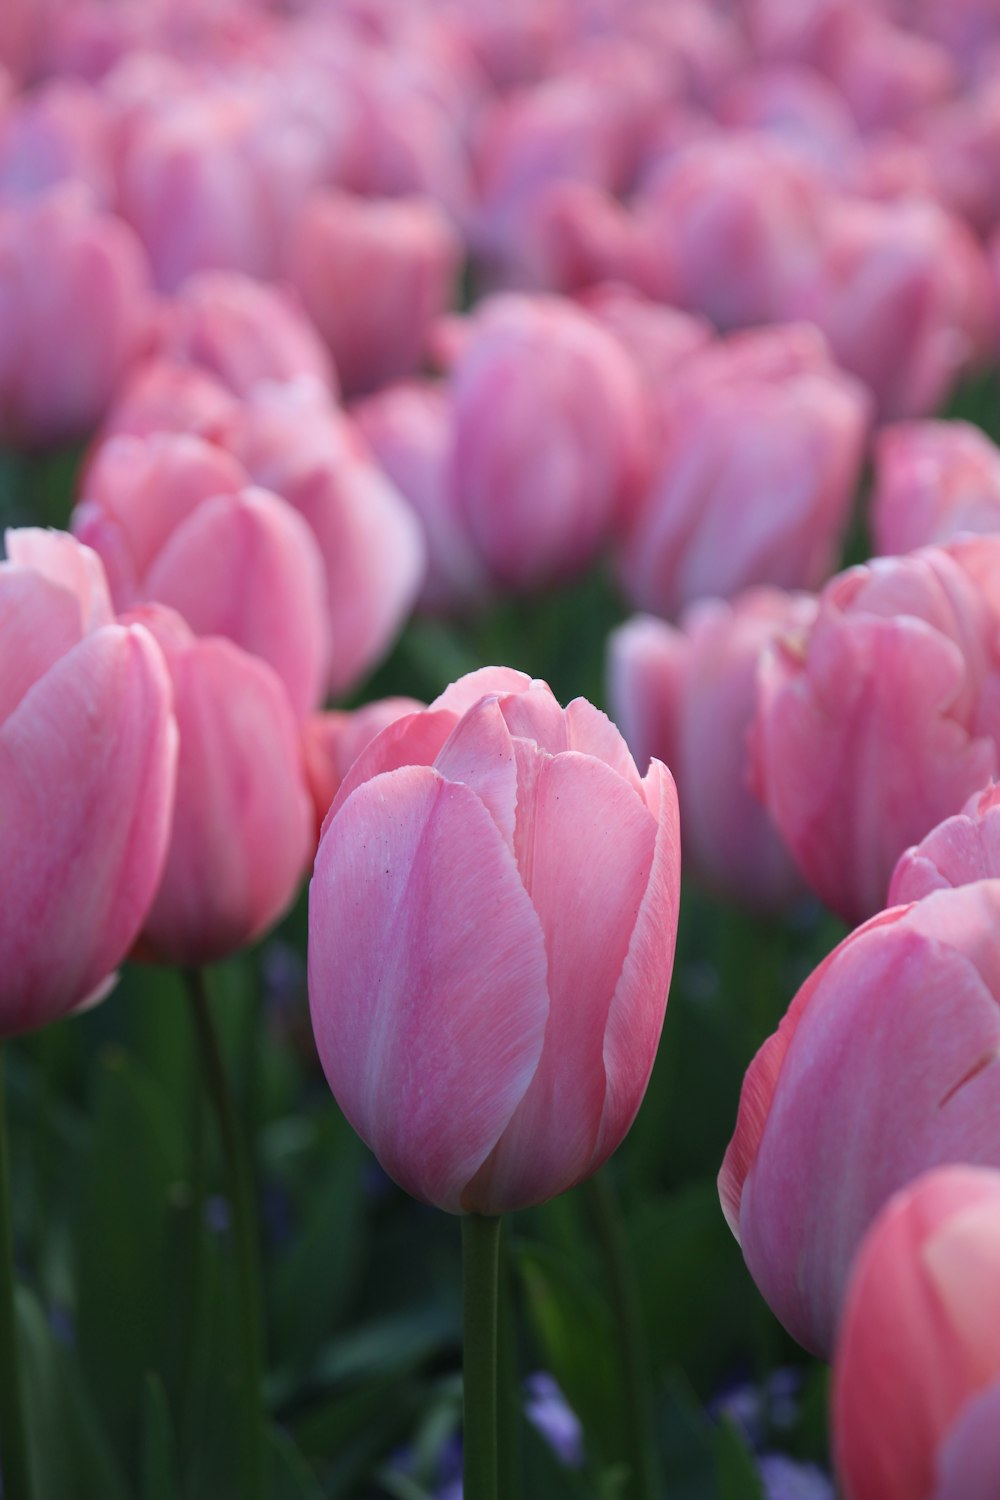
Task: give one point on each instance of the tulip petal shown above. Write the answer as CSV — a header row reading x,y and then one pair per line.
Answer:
x,y
635,1019
414,740
592,733
61,559
587,820
969,1458
479,753
86,793
39,623
426,977
484,682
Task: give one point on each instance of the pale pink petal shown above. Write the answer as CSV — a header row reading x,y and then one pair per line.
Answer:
x,y
536,716
86,792
635,1019
592,733
588,820
479,753
484,682
645,673
426,978
414,740
247,567
39,623
60,558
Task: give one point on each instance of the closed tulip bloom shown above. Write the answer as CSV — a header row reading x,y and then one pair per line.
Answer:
x,y
84,812
243,821
374,275
958,851
492,924
59,133
550,437
659,338
292,440
916,1389
883,1067
735,218
902,291
687,696
332,742
903,652
177,521
756,461
933,481
76,311
160,395
243,332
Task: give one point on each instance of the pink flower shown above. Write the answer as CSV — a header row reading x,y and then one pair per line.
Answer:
x,y
902,291
292,440
933,481
176,521
374,275
916,1389
243,332
492,924
688,696
88,749
958,851
755,465
76,310
160,395
59,133
883,718
882,1068
243,821
550,437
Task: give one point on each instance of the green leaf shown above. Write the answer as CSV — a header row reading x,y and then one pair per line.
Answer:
x,y
158,1463
291,1476
739,1478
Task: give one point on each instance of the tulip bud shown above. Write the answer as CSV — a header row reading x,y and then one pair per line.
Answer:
x,y
88,749
933,481
916,1386
881,1069
492,923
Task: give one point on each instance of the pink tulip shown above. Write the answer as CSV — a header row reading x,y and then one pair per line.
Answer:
x,y
933,481
496,874
75,308
550,437
735,218
175,521
902,291
802,109
659,338
958,851
887,75
916,1393
243,332
332,742
293,441
688,696
243,822
88,751
410,430
903,652
880,1070
373,276
571,235
756,462
961,142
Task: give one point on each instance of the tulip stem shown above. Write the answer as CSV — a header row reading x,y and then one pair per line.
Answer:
x,y
624,1288
15,1462
240,1194
481,1268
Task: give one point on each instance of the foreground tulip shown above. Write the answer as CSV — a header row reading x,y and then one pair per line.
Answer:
x,y
902,652
687,696
242,825
84,813
916,1393
882,1068
492,924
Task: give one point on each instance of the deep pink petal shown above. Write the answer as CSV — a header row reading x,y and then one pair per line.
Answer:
x,y
426,977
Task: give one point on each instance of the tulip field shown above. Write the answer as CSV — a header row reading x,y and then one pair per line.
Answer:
x,y
499,749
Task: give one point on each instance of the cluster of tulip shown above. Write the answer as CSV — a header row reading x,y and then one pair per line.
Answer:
x,y
374,336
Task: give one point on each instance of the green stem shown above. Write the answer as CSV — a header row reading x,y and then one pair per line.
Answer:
x,y
509,1391
480,1265
620,1272
240,1192
14,1459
